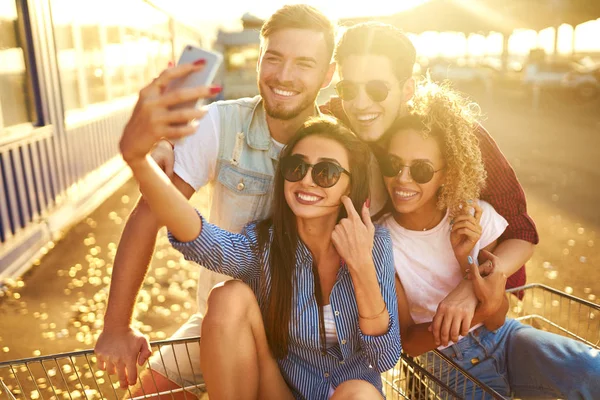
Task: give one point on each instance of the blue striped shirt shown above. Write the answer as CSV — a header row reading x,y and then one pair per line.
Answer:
x,y
308,372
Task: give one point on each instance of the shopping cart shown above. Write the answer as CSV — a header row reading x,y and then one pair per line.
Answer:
x,y
554,311
75,375
541,306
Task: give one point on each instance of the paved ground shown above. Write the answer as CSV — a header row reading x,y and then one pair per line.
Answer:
x,y
58,305
556,154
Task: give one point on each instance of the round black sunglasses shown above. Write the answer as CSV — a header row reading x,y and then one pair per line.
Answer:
x,y
324,174
420,171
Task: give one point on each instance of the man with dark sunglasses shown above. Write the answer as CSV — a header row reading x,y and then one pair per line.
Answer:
x,y
375,62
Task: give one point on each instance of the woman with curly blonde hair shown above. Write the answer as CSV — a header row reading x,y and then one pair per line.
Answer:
x,y
443,114
434,173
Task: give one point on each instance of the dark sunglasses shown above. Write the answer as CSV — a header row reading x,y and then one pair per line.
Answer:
x,y
420,172
324,174
376,90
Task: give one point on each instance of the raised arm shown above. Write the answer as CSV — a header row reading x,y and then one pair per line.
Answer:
x,y
371,267
119,346
169,205
383,351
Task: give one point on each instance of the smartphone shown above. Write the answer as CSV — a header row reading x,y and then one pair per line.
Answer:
x,y
203,77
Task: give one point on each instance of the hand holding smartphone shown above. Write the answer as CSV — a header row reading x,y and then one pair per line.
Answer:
x,y
203,77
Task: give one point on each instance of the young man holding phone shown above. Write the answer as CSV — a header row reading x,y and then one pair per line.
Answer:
x,y
235,146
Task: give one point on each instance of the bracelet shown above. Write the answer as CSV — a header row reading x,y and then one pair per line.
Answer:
x,y
376,315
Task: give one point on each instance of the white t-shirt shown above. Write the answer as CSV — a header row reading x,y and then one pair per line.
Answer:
x,y
425,262
278,145
196,155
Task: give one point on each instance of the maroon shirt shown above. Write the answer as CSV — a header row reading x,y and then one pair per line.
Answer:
x,y
502,189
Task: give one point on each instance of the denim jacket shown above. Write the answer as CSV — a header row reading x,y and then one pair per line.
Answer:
x,y
245,166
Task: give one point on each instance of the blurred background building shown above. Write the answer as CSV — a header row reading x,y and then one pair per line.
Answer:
x,y
70,72
479,43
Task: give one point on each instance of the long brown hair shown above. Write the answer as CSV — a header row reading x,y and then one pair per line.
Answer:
x,y
283,244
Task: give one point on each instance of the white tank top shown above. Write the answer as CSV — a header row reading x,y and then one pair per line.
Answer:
x,y
330,332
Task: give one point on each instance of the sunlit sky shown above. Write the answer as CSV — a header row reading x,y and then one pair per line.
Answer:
x,y
202,10
227,13
209,15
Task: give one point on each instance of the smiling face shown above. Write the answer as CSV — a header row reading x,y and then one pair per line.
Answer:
x,y
294,65
407,195
306,199
370,119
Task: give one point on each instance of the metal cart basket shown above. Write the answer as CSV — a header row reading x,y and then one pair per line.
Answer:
x,y
75,375
541,306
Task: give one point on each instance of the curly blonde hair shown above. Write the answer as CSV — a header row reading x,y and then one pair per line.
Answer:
x,y
439,112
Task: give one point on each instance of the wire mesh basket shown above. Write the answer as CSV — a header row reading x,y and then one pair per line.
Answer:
x,y
75,375
540,306
416,379
554,311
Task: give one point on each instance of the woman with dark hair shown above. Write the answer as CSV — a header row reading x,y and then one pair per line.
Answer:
x,y
313,312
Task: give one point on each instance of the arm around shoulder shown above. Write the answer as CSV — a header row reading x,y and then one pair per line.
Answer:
x,y
504,192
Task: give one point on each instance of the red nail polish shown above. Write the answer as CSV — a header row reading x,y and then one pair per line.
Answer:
x,y
368,202
170,64
215,89
200,61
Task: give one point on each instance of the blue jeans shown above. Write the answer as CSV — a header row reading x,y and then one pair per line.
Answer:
x,y
519,360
